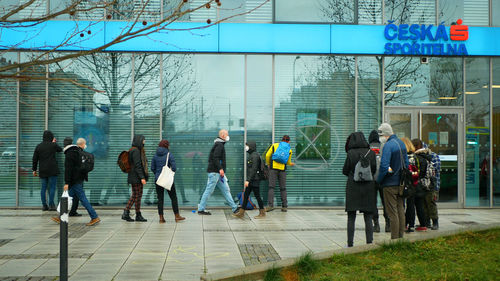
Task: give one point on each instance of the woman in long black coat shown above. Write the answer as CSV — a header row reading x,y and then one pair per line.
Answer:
x,y
360,195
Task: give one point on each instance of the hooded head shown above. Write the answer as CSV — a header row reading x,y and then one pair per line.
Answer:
x,y
385,130
252,146
373,137
138,141
67,141
356,140
48,136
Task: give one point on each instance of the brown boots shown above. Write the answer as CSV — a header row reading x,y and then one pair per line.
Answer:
x,y
262,214
240,213
162,219
179,218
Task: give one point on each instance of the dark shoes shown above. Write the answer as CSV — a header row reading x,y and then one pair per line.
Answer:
x,y
376,226
387,226
410,230
93,221
45,208
284,209
138,217
269,209
204,213
126,215
435,224
52,208
75,214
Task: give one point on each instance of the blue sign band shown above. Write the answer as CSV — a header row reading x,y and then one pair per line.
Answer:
x,y
254,38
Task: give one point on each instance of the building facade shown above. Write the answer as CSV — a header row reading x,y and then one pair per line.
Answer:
x,y
315,70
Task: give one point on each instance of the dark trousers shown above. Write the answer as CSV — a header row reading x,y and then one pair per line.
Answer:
x,y
394,205
351,219
430,206
277,175
160,191
418,203
135,198
380,191
255,187
74,206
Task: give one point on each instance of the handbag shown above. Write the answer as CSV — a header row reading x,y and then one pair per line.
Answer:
x,y
166,178
70,201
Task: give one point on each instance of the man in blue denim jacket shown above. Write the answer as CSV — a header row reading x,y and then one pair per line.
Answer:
x,y
393,156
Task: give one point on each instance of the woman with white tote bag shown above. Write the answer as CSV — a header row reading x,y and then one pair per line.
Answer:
x,y
157,164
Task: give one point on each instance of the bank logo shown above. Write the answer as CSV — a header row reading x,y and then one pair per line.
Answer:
x,y
459,32
426,39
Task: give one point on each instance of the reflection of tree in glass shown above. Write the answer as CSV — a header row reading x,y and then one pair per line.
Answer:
x,y
446,81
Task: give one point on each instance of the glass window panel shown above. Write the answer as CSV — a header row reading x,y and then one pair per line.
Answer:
x,y
259,11
472,12
260,105
410,82
314,105
495,12
496,132
102,117
86,9
411,11
369,96
35,10
205,94
336,11
477,132
147,110
32,124
8,92
370,11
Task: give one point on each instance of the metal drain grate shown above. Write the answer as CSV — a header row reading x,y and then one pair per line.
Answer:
x,y
75,230
257,253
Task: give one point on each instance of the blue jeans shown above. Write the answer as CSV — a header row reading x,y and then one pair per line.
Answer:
x,y
51,182
214,180
77,189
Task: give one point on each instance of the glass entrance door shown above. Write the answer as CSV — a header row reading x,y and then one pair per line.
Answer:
x,y
442,130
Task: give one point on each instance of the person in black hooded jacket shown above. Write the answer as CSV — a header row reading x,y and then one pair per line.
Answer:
x,y
253,180
45,154
376,147
137,177
360,196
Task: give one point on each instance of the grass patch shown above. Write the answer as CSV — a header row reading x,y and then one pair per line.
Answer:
x,y
273,274
467,256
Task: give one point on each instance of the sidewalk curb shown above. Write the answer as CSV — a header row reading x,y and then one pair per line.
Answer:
x,y
257,272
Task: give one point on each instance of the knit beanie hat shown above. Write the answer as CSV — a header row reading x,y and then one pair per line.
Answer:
x,y
385,130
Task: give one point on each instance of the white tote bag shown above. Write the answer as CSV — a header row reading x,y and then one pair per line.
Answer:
x,y
70,201
166,178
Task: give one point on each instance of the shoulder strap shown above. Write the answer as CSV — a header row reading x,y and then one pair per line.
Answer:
x,y
168,154
400,155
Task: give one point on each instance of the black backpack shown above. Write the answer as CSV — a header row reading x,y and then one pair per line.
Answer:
x,y
263,172
407,189
87,161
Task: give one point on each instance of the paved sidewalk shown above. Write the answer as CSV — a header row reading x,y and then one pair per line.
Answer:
x,y
117,250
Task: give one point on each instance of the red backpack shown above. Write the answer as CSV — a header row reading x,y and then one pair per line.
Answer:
x,y
123,161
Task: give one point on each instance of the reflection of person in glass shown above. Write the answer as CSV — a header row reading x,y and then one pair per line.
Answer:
x,y
137,177
216,174
157,164
45,154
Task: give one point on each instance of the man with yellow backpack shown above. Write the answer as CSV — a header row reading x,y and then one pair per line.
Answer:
x,y
278,156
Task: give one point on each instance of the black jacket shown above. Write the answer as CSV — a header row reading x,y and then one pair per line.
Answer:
x,y
72,162
45,153
360,196
137,169
217,157
253,163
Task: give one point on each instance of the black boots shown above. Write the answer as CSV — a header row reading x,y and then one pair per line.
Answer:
x,y
126,215
435,224
138,217
387,225
376,226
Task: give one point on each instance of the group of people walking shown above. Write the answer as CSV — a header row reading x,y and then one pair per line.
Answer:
x,y
376,167
372,167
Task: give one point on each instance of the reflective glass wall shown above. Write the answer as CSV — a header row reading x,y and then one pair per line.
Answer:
x,y
495,159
